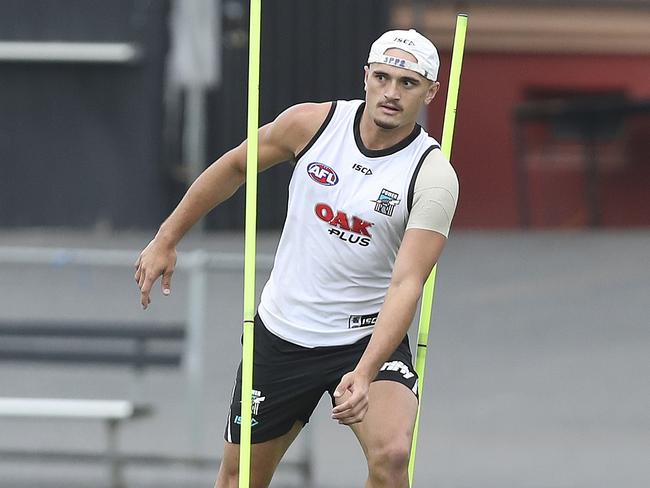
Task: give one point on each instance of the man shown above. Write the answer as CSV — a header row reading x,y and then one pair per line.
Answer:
x,y
370,205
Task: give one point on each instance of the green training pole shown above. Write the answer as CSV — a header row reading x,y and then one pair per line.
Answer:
x,y
429,286
249,242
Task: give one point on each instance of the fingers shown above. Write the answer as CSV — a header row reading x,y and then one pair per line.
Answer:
x,y
152,263
141,276
146,279
137,270
353,401
145,289
167,282
344,385
352,411
145,300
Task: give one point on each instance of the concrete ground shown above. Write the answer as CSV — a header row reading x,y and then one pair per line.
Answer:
x,y
537,375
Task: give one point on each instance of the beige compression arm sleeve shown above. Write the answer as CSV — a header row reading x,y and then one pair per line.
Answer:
x,y
435,195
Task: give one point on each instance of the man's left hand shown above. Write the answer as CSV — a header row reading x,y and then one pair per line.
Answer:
x,y
351,396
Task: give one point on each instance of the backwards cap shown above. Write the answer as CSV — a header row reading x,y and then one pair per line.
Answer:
x,y
412,42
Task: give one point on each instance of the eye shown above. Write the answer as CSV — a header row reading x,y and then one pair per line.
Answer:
x,y
380,76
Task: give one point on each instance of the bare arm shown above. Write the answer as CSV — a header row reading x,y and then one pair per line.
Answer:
x,y
418,253
279,141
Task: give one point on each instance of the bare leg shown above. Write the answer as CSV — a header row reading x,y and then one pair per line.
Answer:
x,y
386,432
265,457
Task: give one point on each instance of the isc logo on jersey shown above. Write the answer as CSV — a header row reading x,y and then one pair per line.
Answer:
x,y
351,230
322,174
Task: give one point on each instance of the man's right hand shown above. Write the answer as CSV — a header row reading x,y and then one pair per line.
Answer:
x,y
157,259
280,140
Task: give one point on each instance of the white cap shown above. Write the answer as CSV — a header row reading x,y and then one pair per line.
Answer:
x,y
412,42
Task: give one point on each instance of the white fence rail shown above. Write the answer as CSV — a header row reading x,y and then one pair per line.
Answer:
x,y
197,264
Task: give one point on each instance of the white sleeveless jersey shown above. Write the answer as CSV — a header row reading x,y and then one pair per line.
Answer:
x,y
347,213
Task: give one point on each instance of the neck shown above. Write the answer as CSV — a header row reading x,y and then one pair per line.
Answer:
x,y
377,138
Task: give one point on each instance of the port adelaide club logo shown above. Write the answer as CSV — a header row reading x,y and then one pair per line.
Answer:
x,y
322,174
386,202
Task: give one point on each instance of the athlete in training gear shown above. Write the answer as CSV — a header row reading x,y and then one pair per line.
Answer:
x,y
370,205
343,227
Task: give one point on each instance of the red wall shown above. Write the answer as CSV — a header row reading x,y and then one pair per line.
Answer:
x,y
483,151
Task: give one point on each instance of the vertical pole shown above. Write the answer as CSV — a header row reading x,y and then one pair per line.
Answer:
x,y
194,138
250,242
194,362
429,286
115,464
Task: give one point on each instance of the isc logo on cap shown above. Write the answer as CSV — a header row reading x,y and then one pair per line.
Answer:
x,y
322,174
404,41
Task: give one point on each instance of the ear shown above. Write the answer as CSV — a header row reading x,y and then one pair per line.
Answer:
x,y
366,71
431,92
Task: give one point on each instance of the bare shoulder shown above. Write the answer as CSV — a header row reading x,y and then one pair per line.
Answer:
x,y
298,124
308,116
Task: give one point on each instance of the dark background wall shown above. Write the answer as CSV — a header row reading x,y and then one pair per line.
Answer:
x,y
83,145
311,51
80,144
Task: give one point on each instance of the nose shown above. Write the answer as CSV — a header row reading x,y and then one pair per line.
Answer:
x,y
392,91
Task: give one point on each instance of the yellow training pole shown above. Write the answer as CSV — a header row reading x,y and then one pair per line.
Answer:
x,y
429,286
249,242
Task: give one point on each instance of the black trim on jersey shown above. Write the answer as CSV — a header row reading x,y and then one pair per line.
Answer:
x,y
409,198
376,153
320,130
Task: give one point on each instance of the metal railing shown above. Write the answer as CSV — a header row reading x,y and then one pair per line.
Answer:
x,y
197,264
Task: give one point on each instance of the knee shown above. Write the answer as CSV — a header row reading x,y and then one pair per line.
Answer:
x,y
389,461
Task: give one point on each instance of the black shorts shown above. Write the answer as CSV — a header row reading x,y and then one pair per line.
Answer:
x,y
289,381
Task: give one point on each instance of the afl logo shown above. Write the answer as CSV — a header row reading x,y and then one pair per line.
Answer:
x,y
322,174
